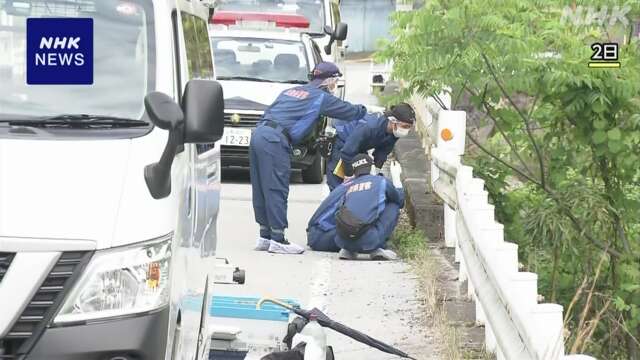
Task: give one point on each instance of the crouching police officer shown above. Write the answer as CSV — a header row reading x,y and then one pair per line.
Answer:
x,y
321,230
285,123
375,131
368,213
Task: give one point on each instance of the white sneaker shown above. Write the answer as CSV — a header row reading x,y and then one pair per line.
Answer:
x,y
345,254
285,248
262,244
383,254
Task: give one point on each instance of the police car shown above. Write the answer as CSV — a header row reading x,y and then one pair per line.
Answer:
x,y
257,56
324,19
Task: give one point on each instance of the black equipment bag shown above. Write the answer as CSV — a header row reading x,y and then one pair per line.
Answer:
x,y
348,225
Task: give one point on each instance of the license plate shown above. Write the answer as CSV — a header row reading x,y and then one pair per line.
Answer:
x,y
236,137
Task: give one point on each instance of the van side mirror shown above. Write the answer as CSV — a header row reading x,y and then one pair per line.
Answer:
x,y
200,120
340,33
167,115
203,106
163,111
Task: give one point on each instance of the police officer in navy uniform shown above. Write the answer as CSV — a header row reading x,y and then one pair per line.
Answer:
x,y
285,123
372,200
321,229
375,131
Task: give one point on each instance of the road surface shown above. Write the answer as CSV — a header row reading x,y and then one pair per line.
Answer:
x,y
378,298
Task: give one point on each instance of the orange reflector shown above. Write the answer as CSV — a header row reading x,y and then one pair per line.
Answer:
x,y
446,134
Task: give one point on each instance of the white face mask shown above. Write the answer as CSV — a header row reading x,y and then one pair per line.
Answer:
x,y
400,132
330,85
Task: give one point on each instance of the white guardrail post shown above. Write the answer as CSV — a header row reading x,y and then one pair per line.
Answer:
x,y
516,326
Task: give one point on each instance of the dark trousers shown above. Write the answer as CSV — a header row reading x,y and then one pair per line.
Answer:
x,y
270,168
321,240
377,235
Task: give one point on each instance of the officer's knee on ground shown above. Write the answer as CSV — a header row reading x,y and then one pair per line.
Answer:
x,y
320,240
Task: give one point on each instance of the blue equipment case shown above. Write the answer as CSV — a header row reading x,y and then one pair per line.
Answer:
x,y
262,330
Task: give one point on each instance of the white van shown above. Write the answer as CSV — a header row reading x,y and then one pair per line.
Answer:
x,y
325,24
107,211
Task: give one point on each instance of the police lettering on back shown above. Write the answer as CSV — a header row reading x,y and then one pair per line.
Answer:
x,y
297,93
359,187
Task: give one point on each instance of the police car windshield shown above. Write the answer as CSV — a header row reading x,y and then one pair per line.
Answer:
x,y
260,60
123,59
313,10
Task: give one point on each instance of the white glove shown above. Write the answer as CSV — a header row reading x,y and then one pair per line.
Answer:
x,y
376,170
396,170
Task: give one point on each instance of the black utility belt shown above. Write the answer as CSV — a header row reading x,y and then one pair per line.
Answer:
x,y
274,125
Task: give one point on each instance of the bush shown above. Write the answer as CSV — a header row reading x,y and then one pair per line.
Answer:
x,y
562,166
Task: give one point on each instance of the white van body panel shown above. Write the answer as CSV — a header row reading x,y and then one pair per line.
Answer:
x,y
138,215
84,195
103,182
72,188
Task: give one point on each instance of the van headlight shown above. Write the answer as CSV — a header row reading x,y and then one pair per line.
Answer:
x,y
121,281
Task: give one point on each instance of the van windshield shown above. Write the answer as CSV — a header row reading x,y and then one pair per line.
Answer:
x,y
313,10
123,60
260,60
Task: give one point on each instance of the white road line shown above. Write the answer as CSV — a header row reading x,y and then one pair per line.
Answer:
x,y
319,287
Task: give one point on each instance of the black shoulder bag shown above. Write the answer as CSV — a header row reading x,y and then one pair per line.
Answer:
x,y
348,225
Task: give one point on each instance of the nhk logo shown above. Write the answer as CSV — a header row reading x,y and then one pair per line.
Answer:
x,y
59,51
56,58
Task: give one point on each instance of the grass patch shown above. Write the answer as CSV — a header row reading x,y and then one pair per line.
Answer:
x,y
411,244
408,242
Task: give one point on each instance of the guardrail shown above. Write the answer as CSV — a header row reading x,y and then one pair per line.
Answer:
x,y
516,326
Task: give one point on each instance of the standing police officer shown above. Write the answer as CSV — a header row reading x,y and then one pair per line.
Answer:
x,y
368,213
375,131
285,123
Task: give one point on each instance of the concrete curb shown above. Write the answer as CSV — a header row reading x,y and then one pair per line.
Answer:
x,y
425,208
426,213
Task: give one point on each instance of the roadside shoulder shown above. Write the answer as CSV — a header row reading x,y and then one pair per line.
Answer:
x,y
447,304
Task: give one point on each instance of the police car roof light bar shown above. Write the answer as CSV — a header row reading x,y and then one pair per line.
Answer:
x,y
281,20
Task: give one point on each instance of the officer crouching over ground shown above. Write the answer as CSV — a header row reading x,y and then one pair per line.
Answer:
x,y
376,131
366,209
321,230
285,123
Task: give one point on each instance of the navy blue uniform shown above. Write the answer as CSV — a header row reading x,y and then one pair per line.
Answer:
x,y
286,122
359,137
372,199
321,230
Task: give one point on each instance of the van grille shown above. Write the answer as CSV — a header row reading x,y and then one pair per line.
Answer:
x,y
44,304
246,120
5,262
230,151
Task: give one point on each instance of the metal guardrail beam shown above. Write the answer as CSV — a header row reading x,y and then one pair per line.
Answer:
x,y
516,326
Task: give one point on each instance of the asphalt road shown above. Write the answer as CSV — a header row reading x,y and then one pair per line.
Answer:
x,y
378,298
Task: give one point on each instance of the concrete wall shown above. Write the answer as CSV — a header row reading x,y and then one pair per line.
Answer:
x,y
368,20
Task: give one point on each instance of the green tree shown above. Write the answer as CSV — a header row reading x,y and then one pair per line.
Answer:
x,y
562,166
